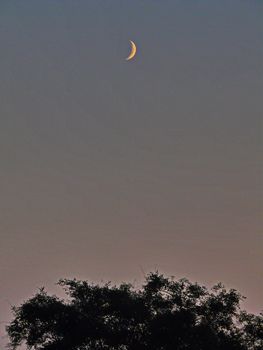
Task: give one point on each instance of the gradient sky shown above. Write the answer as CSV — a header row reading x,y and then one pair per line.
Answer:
x,y
109,168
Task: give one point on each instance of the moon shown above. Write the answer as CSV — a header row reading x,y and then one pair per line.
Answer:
x,y
133,51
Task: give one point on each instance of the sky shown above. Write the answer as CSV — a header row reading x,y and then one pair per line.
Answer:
x,y
110,169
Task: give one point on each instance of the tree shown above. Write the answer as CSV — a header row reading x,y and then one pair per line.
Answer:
x,y
164,314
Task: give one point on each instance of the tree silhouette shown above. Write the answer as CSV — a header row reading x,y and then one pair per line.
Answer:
x,y
164,314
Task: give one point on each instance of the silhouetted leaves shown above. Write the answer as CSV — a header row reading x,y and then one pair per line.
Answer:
x,y
165,314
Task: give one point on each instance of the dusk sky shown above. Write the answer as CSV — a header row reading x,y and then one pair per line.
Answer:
x,y
109,168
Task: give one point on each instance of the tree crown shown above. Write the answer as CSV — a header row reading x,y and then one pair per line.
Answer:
x,y
164,314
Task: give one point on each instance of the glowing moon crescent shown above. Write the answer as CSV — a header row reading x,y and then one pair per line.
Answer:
x,y
133,51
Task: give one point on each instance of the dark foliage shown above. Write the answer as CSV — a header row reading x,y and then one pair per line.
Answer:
x,y
164,314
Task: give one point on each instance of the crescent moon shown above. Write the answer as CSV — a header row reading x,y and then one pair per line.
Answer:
x,y
133,51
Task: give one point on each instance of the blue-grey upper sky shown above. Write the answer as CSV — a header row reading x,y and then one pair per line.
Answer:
x,y
109,167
